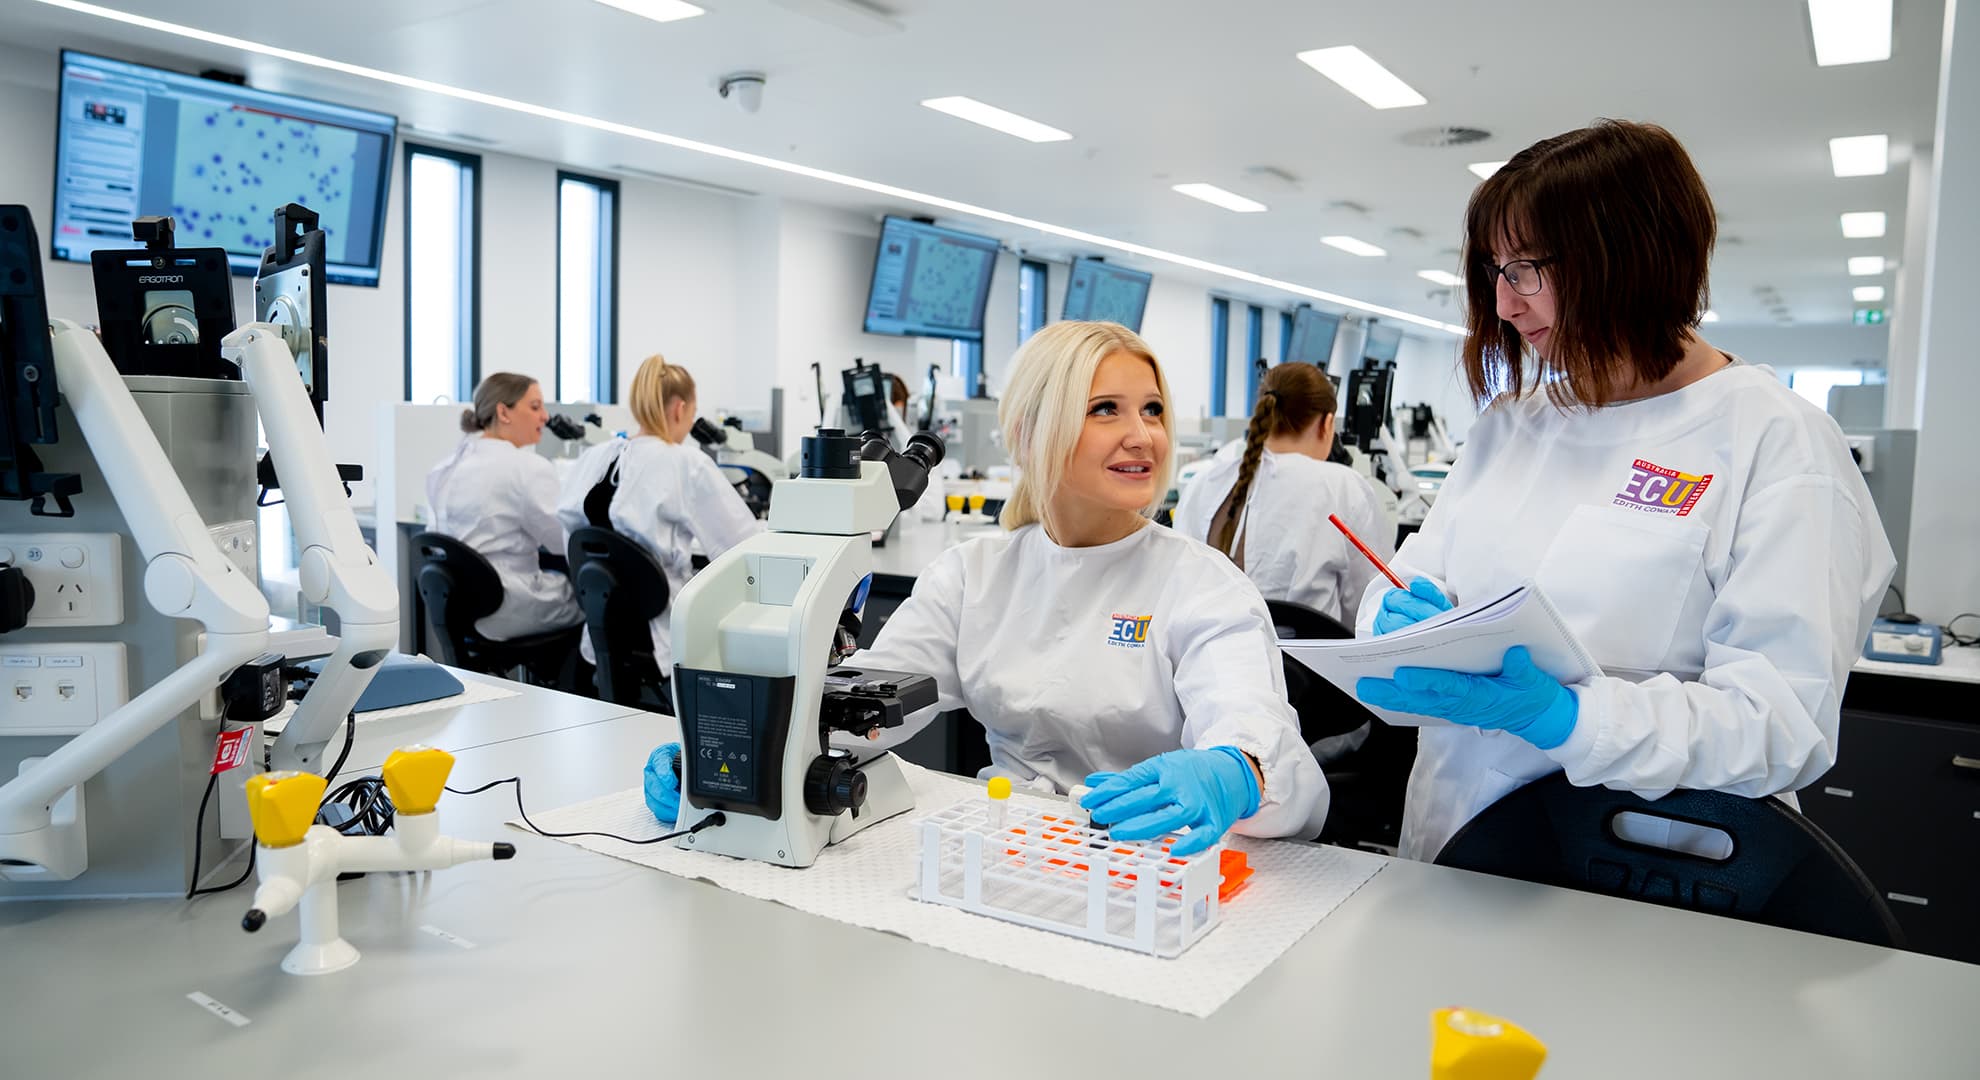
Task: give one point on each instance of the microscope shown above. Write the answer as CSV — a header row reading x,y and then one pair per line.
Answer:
x,y
754,473
759,634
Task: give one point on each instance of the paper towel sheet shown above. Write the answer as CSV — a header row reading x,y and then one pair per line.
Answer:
x,y
473,692
865,882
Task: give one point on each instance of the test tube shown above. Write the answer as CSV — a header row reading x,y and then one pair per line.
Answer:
x,y
1000,797
1073,809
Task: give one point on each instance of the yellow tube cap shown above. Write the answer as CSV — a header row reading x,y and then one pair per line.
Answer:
x,y
1470,1045
415,776
1000,787
282,805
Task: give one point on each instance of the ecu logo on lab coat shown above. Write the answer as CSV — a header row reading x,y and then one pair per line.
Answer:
x,y
1657,490
1129,631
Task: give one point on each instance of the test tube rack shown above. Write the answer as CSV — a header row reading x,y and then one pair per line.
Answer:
x,y
1044,869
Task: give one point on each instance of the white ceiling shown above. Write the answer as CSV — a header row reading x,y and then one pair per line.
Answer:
x,y
1156,92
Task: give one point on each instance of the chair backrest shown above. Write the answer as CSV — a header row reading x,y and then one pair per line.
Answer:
x,y
458,586
1783,871
620,588
1324,709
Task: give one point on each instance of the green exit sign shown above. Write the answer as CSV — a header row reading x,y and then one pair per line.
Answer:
x,y
1869,316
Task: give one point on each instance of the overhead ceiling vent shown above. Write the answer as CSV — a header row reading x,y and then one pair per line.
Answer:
x,y
1444,136
1348,206
682,181
1407,232
1273,176
449,136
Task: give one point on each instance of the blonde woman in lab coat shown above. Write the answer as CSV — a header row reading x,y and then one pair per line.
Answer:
x,y
1094,646
1700,527
671,495
1264,501
498,496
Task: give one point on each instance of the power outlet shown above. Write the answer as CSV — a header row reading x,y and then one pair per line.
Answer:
x,y
78,578
59,689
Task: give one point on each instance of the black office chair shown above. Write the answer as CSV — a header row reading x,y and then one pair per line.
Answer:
x,y
1366,785
1784,871
621,589
459,587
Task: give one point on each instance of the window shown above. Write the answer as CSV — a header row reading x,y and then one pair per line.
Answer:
x,y
1815,384
1285,335
1220,352
1254,351
443,274
587,288
966,363
1031,299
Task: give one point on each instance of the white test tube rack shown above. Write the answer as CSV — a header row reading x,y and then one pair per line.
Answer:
x,y
1044,869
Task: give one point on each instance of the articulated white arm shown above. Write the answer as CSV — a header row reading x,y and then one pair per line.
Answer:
x,y
185,576
337,570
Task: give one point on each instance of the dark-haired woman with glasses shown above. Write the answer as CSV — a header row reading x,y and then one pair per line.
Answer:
x,y
1700,528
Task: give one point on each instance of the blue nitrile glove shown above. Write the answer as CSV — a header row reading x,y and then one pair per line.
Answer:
x,y
1401,608
663,785
1521,698
1207,790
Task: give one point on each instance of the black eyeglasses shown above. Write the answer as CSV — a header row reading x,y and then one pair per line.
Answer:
x,y
1522,274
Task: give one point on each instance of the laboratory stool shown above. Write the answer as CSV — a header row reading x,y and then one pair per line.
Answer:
x,y
621,589
1783,870
459,587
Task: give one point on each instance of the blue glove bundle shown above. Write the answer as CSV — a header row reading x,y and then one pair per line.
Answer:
x,y
663,785
1206,790
1521,698
1401,608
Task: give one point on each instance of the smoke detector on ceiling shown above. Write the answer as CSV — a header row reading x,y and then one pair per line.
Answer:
x,y
1445,135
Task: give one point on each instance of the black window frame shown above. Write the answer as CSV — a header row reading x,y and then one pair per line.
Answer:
x,y
605,370
471,162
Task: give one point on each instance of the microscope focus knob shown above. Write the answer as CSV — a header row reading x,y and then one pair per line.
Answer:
x,y
834,785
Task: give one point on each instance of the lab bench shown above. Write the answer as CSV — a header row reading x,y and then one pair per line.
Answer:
x,y
563,962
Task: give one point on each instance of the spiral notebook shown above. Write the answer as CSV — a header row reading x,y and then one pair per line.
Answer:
x,y
1471,639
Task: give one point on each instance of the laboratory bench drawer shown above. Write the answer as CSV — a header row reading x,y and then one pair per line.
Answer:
x,y
1904,800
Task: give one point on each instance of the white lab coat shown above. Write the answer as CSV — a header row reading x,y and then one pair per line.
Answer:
x,y
1080,660
1291,551
500,499
671,496
1716,550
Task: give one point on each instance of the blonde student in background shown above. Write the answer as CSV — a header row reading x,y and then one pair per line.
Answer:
x,y
1700,527
1264,501
499,497
1094,646
670,495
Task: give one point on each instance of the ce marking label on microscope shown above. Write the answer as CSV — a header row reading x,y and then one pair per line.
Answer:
x,y
218,1009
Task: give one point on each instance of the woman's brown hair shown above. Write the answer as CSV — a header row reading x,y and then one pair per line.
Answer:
x,y
1624,227
1291,398
501,388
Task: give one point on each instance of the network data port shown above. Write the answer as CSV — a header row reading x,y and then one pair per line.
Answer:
x,y
65,690
23,691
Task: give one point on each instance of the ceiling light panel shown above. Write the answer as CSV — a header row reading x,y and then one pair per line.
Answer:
x,y
990,116
1867,294
1217,196
1484,169
1860,155
1358,73
1866,265
657,10
1850,31
1709,316
1863,225
744,157
1440,277
1352,246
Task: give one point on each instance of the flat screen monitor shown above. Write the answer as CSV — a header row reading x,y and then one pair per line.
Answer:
x,y
929,281
1313,335
135,141
1382,344
1102,292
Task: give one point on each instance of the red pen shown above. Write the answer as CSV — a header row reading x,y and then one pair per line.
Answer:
x,y
1363,548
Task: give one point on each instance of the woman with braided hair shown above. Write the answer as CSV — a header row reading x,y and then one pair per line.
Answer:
x,y
1264,501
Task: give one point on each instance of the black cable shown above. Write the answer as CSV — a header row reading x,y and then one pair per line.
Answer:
x,y
1900,595
370,806
199,837
1966,641
350,735
709,822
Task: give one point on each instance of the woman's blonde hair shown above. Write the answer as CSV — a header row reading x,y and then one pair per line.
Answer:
x,y
1043,411
654,386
